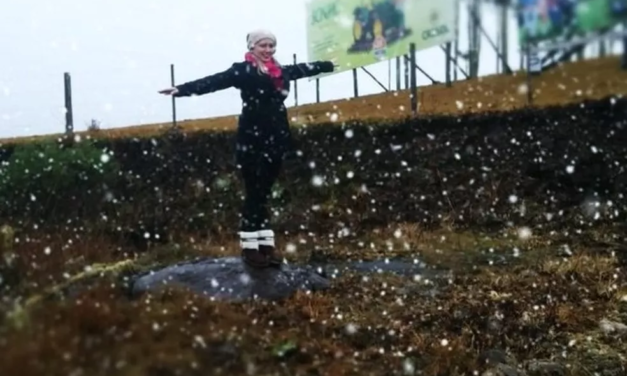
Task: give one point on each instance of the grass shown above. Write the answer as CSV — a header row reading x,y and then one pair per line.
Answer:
x,y
519,294
569,83
538,305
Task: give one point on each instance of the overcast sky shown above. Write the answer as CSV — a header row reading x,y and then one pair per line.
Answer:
x,y
119,54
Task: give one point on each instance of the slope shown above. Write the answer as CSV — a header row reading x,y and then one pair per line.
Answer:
x,y
571,82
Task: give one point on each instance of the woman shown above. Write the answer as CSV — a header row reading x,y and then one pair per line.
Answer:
x,y
263,134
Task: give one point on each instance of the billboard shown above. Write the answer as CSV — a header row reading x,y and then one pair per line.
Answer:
x,y
356,33
553,20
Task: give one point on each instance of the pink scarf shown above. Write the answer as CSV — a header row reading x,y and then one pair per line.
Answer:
x,y
273,70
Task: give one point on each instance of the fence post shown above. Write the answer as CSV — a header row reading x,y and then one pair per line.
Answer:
x,y
528,63
173,98
414,89
69,112
295,87
355,87
389,74
317,90
406,72
398,73
504,40
624,60
448,64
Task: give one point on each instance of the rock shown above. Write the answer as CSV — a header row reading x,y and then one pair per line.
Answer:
x,y
545,368
230,279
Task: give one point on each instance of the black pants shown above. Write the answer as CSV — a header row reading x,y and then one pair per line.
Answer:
x,y
260,170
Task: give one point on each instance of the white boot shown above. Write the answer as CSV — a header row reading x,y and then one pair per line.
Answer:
x,y
250,250
267,246
249,240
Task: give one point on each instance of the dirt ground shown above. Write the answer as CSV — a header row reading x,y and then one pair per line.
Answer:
x,y
498,301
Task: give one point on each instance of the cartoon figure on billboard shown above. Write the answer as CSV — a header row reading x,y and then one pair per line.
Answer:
x,y
378,24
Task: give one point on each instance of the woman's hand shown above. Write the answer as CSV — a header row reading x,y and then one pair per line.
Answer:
x,y
169,91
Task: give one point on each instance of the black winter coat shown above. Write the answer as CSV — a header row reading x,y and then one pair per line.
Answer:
x,y
263,125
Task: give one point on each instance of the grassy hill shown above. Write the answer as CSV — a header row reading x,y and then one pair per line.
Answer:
x,y
572,82
518,216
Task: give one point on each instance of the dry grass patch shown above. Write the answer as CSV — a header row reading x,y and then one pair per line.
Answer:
x,y
365,324
570,83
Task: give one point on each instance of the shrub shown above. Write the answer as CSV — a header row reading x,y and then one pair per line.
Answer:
x,y
48,177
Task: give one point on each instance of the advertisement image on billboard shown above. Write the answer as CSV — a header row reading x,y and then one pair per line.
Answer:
x,y
356,33
543,20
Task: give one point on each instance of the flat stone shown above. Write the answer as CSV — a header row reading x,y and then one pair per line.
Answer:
x,y
230,279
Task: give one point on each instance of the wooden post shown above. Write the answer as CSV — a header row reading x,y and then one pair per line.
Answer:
x,y
317,90
295,87
406,61
69,112
529,89
448,64
398,73
414,89
173,98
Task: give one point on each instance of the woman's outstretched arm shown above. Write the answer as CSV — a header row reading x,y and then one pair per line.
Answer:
x,y
302,70
209,84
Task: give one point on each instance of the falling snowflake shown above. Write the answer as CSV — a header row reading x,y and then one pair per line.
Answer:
x,y
290,248
524,233
351,328
317,181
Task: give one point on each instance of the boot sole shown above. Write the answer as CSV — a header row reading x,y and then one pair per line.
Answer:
x,y
255,265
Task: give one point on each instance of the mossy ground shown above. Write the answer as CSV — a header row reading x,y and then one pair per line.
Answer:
x,y
539,302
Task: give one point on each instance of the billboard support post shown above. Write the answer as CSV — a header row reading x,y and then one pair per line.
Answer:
x,y
398,73
529,73
414,89
448,64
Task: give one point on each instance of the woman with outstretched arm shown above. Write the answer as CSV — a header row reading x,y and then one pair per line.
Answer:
x,y
263,134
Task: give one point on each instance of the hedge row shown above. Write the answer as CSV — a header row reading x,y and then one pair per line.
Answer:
x,y
525,166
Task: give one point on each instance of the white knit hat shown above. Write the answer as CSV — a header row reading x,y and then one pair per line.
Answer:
x,y
255,36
